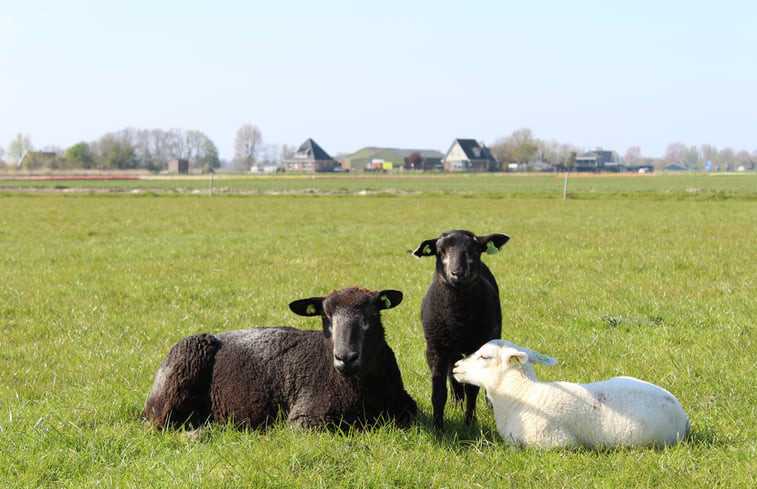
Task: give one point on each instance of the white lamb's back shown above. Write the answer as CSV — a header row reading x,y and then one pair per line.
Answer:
x,y
628,411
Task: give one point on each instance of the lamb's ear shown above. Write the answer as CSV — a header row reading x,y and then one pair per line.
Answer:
x,y
492,243
427,248
535,357
514,357
389,298
308,307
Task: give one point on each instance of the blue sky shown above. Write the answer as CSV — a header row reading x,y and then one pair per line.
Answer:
x,y
411,74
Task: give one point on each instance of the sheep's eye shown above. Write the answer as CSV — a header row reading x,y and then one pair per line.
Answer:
x,y
484,357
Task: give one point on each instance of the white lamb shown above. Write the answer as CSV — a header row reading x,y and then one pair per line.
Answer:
x,y
619,412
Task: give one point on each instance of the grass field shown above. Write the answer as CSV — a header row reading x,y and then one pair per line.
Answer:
x,y
630,276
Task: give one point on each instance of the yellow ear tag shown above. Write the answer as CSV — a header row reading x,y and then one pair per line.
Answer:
x,y
386,301
310,309
426,250
491,249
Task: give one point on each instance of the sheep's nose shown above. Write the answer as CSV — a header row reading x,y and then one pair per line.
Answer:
x,y
346,363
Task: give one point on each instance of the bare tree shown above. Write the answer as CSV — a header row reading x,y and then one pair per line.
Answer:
x,y
709,153
286,152
675,152
18,147
633,155
246,145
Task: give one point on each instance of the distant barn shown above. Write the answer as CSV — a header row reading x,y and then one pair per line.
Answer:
x,y
178,166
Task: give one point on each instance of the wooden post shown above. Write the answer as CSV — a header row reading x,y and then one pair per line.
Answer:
x,y
565,188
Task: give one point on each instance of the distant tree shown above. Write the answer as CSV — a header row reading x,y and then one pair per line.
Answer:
x,y
247,145
709,153
519,147
742,156
571,163
633,155
415,160
269,154
207,157
121,156
286,152
80,156
525,146
727,158
16,149
2,153
675,152
692,158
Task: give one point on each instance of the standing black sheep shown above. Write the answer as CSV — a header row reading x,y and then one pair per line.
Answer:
x,y
346,373
460,312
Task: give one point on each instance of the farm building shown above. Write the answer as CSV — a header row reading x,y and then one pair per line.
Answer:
x,y
469,155
310,157
178,166
375,158
676,166
594,161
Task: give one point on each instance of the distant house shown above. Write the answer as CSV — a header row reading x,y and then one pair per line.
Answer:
x,y
595,161
469,155
178,166
310,157
373,158
676,166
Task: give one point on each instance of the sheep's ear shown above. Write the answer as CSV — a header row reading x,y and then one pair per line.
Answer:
x,y
308,307
535,357
427,248
516,358
389,298
492,243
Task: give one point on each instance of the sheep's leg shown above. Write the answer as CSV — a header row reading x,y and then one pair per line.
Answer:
x,y
438,399
471,393
439,368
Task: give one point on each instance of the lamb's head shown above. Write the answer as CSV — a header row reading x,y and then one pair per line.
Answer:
x,y
458,254
352,321
491,364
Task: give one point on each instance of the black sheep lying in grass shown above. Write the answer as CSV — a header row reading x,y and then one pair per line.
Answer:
x,y
346,373
460,311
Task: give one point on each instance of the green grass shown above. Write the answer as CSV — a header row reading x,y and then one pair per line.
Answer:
x,y
656,283
549,185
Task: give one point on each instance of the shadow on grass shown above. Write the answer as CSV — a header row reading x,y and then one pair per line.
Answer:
x,y
456,434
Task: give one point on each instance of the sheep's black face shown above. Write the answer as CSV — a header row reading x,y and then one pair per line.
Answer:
x,y
352,320
458,258
458,255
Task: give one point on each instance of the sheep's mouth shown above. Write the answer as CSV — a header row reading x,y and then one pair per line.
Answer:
x,y
458,372
458,280
347,369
